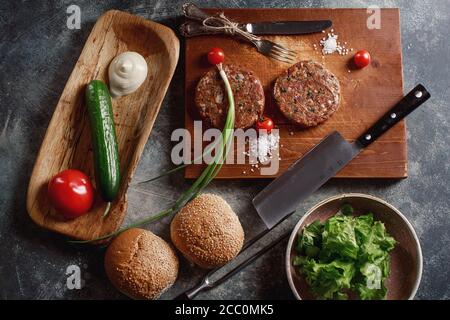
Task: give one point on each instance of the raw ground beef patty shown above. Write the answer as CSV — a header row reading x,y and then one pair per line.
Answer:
x,y
212,102
307,93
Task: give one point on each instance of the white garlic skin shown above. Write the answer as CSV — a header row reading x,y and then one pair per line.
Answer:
x,y
126,73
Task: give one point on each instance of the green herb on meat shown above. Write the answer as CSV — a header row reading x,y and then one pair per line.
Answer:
x,y
343,254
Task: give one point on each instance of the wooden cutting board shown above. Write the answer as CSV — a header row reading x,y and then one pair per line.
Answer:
x,y
67,142
366,94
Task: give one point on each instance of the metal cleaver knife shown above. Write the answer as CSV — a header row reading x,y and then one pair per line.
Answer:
x,y
281,197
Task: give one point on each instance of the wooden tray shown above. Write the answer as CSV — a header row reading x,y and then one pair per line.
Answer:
x,y
67,142
366,93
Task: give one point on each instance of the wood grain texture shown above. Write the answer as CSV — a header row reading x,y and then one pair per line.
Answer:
x,y
67,142
366,94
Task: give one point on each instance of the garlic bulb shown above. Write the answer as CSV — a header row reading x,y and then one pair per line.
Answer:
x,y
126,73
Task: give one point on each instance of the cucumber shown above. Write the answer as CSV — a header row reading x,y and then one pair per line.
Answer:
x,y
104,141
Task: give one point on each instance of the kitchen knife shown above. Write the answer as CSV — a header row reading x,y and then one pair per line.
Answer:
x,y
286,27
282,197
192,28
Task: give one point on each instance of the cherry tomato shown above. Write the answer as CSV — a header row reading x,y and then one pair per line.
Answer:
x,y
362,58
71,193
216,56
265,123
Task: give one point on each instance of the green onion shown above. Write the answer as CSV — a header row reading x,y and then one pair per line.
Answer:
x,y
208,174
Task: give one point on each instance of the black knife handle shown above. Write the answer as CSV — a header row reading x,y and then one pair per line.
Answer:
x,y
405,106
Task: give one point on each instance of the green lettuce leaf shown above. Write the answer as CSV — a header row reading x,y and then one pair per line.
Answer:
x,y
338,237
327,280
310,239
370,285
345,253
370,294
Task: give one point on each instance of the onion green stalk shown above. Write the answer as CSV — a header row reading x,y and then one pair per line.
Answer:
x,y
208,149
208,174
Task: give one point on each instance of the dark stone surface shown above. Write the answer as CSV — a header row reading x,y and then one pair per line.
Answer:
x,y
38,52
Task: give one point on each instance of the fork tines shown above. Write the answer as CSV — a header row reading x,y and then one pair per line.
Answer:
x,y
278,52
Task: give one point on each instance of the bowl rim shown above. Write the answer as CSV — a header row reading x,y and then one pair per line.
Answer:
x,y
347,195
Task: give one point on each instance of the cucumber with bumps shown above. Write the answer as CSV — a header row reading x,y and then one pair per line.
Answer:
x,y
104,141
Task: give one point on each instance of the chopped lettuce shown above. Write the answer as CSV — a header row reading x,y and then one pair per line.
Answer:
x,y
328,279
339,237
311,238
345,253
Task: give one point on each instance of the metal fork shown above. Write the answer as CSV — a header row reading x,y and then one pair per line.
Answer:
x,y
274,50
193,28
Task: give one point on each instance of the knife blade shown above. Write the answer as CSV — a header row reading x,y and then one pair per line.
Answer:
x,y
286,27
301,179
281,197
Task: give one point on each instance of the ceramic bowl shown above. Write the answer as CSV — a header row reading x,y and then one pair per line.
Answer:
x,y
406,258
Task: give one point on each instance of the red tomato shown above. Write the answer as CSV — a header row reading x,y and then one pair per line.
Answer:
x,y
265,123
362,58
71,193
216,56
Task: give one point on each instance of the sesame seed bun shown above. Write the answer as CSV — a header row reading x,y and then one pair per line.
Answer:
x,y
207,231
140,264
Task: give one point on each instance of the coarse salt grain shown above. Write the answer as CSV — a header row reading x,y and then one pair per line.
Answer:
x,y
330,45
262,147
